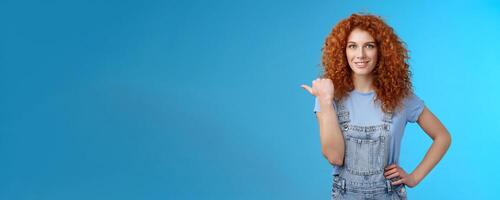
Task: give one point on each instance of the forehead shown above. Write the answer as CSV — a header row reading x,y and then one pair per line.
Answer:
x,y
359,35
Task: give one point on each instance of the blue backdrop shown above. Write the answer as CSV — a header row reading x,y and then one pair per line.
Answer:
x,y
202,99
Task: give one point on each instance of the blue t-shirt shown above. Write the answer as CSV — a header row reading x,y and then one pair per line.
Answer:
x,y
364,111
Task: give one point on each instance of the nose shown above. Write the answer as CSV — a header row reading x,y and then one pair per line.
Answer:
x,y
360,53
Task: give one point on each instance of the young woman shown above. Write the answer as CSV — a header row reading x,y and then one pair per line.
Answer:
x,y
363,102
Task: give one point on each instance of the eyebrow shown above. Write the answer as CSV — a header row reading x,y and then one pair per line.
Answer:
x,y
365,42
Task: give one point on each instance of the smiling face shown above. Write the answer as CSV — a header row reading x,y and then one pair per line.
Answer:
x,y
361,52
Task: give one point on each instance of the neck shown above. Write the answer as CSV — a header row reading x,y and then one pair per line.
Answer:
x,y
363,83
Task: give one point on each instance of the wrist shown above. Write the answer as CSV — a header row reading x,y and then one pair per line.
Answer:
x,y
325,99
326,105
415,178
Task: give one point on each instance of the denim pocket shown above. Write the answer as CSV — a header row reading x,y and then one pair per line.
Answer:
x,y
364,155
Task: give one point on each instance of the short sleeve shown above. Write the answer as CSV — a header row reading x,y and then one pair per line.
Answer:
x,y
413,107
316,105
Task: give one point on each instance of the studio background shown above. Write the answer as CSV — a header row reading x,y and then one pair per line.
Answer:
x,y
202,99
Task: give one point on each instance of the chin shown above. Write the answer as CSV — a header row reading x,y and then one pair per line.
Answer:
x,y
362,72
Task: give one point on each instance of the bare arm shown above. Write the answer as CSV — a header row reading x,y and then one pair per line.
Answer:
x,y
441,142
332,141
431,125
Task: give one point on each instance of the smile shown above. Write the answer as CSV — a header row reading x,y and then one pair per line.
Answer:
x,y
363,63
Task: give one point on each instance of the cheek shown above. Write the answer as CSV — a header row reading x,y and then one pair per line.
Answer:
x,y
349,55
374,56
375,59
373,53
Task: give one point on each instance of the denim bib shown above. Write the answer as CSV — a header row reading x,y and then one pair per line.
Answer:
x,y
366,155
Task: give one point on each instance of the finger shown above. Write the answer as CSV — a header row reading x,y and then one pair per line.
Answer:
x,y
390,167
398,182
393,175
392,171
309,89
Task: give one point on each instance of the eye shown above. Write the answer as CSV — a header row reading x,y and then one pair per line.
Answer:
x,y
370,46
351,46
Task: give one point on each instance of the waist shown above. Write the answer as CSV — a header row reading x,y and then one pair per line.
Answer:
x,y
367,187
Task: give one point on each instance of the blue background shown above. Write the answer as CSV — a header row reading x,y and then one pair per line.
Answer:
x,y
202,99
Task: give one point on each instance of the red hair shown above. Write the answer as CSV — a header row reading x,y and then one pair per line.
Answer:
x,y
391,75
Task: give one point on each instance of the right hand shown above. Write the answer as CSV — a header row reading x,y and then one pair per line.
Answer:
x,y
322,88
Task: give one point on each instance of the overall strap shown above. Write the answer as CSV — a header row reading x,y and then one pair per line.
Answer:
x,y
342,113
387,117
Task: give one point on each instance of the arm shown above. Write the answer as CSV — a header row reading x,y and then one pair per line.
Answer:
x,y
332,141
441,142
431,125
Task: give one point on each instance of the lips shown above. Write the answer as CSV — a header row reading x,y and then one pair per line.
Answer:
x,y
361,63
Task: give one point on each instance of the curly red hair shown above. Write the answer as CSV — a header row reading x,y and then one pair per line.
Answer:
x,y
391,75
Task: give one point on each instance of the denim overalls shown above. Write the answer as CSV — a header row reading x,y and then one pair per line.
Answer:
x,y
366,155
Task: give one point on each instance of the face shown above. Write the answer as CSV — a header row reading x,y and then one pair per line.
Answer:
x,y
361,51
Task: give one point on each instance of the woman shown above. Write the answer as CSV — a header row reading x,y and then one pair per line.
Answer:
x,y
363,103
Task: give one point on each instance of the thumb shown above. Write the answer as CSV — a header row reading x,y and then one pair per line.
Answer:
x,y
309,89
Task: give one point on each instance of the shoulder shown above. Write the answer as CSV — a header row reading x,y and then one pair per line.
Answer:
x,y
413,106
411,99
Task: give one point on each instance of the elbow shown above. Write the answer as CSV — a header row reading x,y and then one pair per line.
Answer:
x,y
336,161
448,140
445,140
334,158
